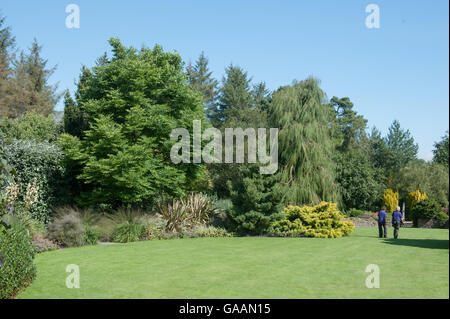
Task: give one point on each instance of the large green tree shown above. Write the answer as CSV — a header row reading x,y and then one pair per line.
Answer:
x,y
307,170
132,102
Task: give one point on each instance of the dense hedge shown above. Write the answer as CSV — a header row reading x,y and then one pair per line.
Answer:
x,y
322,220
42,161
17,270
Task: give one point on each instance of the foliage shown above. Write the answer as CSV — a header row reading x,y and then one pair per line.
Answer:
x,y
17,270
67,230
128,232
431,178
27,85
441,150
360,182
322,221
200,79
307,169
349,128
193,210
31,126
413,198
393,152
90,235
41,243
199,208
390,200
42,162
353,212
132,102
210,231
256,201
427,209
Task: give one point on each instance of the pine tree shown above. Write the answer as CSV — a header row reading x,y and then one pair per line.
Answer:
x,y
235,97
200,79
306,168
27,87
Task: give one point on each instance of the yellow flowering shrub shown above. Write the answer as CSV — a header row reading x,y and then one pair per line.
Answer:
x,y
390,200
321,221
413,198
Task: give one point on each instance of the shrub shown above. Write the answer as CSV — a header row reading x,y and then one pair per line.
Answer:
x,y
41,162
31,126
413,198
390,200
155,228
322,220
128,232
256,201
174,214
90,235
199,208
428,209
17,270
42,244
353,212
67,230
195,209
210,231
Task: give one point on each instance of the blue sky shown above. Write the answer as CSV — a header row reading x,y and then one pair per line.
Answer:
x,y
399,71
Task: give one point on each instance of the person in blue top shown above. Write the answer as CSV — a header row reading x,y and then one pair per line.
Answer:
x,y
382,222
397,220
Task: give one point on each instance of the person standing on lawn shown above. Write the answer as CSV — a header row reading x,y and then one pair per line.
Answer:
x,y
397,220
382,222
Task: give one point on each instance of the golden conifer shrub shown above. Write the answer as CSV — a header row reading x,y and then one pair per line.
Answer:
x,y
413,198
321,221
390,200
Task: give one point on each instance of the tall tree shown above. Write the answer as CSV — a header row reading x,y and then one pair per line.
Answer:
x,y
350,127
306,169
440,151
401,144
235,97
124,155
200,79
7,42
27,87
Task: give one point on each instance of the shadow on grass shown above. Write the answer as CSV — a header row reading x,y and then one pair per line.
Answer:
x,y
422,243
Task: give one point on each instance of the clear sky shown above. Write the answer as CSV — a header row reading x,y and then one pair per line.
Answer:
x,y
398,71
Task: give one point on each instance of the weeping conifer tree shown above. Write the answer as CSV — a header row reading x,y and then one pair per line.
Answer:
x,y
306,170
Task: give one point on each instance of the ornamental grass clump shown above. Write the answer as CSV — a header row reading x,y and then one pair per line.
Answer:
x,y
321,221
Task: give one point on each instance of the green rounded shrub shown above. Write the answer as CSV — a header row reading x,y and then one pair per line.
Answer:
x,y
428,208
17,270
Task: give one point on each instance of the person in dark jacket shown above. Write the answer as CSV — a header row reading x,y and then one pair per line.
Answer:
x,y
382,222
397,220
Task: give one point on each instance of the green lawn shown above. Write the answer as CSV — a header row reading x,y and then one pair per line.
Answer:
x,y
414,266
